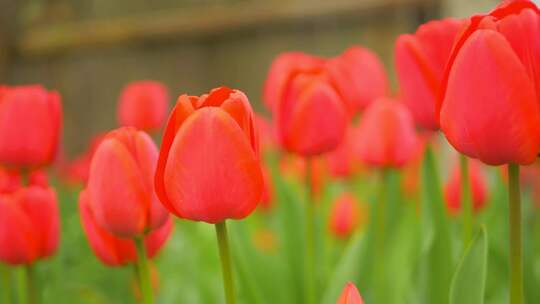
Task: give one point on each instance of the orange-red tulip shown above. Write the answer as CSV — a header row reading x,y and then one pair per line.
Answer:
x,y
208,168
267,198
30,126
143,105
350,295
490,110
114,251
29,225
386,135
344,215
10,180
120,184
420,61
342,161
359,76
452,188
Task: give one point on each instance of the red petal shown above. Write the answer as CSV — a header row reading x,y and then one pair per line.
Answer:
x,y
350,295
17,243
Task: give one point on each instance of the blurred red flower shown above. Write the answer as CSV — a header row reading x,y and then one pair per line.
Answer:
x,y
143,105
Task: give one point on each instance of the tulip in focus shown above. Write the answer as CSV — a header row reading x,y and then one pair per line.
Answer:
x,y
452,189
143,105
420,61
386,136
350,295
345,216
120,184
30,126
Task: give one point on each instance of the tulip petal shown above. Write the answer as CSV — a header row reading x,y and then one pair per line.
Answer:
x,y
212,172
17,245
490,110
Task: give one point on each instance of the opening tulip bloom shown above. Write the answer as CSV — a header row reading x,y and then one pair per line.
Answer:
x,y
29,225
490,107
452,190
420,61
30,126
358,76
208,168
114,251
345,216
386,134
143,105
120,184
350,295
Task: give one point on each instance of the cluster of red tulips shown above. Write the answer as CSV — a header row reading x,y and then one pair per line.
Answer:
x,y
475,80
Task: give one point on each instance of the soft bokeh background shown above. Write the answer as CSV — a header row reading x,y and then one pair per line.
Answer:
x,y
89,49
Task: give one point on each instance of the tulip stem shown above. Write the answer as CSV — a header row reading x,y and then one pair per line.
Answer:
x,y
144,274
309,287
226,265
6,284
466,200
516,262
31,284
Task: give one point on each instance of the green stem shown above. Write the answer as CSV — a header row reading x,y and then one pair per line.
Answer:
x,y
309,275
33,297
22,286
516,256
466,200
380,213
6,284
226,265
144,274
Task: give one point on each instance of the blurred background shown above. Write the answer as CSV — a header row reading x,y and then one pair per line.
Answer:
x,y
88,50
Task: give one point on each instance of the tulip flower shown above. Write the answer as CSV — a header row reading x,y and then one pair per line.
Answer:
x,y
342,161
120,184
208,168
10,180
29,225
477,183
114,251
30,126
386,134
350,295
420,61
267,198
489,106
344,216
143,105
358,76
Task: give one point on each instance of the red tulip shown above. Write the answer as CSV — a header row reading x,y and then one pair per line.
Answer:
x,y
491,87
143,105
29,225
77,170
120,185
350,295
359,76
114,251
30,126
344,216
267,198
10,180
266,132
285,65
386,135
342,161
420,62
208,168
452,189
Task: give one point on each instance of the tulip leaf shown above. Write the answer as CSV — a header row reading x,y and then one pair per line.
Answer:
x,y
469,282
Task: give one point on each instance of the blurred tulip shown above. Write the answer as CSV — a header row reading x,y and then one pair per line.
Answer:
x,y
342,161
120,185
345,215
294,167
76,171
266,132
420,61
29,225
452,188
265,240
143,105
209,167
285,65
386,135
267,198
30,126
114,251
358,76
350,295
10,180
490,108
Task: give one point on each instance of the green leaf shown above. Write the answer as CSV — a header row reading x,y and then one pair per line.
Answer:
x,y
469,282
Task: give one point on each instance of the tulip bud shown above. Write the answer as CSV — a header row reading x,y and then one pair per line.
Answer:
x,y
350,295
452,189
386,135
143,105
345,215
29,225
30,126
208,168
120,185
